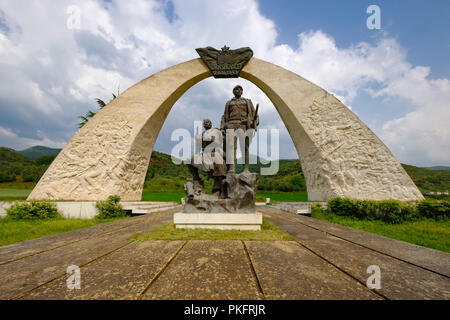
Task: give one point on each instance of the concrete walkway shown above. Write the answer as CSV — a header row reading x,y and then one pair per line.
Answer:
x,y
328,262
408,271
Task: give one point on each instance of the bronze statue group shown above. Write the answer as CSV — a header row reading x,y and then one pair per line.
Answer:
x,y
217,156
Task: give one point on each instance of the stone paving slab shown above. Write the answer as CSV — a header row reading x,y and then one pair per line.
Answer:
x,y
22,249
400,280
321,266
288,271
124,274
427,258
28,273
207,270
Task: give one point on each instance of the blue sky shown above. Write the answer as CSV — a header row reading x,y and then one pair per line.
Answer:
x,y
395,79
419,25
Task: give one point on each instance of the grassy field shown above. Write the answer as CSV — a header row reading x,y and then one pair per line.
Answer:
x,y
427,233
17,185
163,196
12,231
269,232
175,196
14,194
260,196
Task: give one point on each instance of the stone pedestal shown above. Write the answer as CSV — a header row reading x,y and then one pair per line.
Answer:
x,y
235,211
221,221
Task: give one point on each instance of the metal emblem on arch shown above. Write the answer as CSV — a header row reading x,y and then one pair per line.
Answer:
x,y
225,63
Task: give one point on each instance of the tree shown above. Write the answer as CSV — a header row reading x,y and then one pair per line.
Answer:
x,y
6,175
90,114
33,173
45,160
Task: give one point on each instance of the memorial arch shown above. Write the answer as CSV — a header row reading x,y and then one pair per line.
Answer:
x,y
340,155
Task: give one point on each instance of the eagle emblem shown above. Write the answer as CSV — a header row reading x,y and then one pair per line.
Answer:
x,y
225,63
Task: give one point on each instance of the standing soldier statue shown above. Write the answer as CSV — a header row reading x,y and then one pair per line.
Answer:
x,y
240,116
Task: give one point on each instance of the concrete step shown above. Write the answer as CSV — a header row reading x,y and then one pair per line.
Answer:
x,y
140,209
144,204
300,208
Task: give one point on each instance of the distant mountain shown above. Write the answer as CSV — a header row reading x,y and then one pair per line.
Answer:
x,y
161,165
440,168
8,156
37,152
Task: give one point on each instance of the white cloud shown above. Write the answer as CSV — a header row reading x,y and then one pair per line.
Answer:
x,y
11,140
422,135
50,74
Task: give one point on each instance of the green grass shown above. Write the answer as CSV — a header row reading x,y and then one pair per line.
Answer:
x,y
163,196
269,232
17,184
12,231
427,233
260,196
8,194
14,194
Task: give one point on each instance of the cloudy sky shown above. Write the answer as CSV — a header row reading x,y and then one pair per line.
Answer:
x,y
395,79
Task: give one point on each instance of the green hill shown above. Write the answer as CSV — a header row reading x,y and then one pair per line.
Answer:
x,y
428,180
12,164
16,167
290,175
440,168
37,152
161,165
164,175
9,156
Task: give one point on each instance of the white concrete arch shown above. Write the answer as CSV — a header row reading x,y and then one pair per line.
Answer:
x,y
340,156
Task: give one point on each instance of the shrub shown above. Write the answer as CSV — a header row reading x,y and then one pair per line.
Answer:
x,y
369,210
393,211
317,209
33,210
342,206
390,211
111,208
434,209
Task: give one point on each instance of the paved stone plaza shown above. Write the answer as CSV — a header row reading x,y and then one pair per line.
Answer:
x,y
328,262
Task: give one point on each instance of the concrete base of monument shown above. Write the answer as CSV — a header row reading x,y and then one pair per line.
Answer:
x,y
87,209
221,221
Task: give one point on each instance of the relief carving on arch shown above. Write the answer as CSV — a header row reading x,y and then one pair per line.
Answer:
x,y
94,161
349,159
